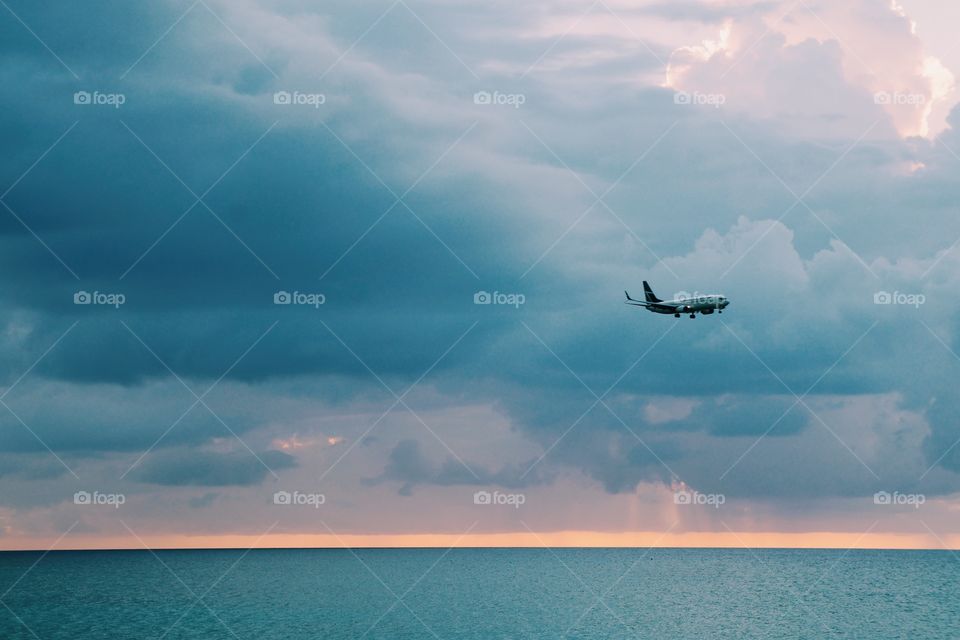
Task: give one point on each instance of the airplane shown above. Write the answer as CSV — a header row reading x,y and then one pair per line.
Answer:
x,y
703,304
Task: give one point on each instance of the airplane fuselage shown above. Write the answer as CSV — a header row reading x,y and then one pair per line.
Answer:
x,y
705,304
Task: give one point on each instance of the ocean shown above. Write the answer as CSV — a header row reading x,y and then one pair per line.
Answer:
x,y
293,594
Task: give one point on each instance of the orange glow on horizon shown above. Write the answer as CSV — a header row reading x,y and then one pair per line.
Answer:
x,y
573,539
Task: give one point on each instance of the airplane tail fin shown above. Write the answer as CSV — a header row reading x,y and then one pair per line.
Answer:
x,y
648,292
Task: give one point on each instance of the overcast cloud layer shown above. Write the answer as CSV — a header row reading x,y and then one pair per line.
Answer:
x,y
392,160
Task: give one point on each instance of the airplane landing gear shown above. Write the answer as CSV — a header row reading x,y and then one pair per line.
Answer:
x,y
692,316
676,315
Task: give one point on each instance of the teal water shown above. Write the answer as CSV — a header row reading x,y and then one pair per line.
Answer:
x,y
480,594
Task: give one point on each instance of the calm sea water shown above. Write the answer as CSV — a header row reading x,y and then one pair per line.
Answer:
x,y
480,593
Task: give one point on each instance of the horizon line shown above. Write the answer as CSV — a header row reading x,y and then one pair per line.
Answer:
x,y
814,540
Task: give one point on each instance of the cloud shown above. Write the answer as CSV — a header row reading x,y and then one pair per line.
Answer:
x,y
203,501
409,466
709,12
208,469
30,467
820,69
693,199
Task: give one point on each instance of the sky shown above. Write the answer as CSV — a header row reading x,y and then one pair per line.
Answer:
x,y
324,274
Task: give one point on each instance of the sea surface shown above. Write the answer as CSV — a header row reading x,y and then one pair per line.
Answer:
x,y
292,594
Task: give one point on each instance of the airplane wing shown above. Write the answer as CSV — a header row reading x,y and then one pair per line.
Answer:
x,y
665,307
650,305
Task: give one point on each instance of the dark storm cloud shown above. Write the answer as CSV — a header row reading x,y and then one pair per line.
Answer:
x,y
409,466
31,467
